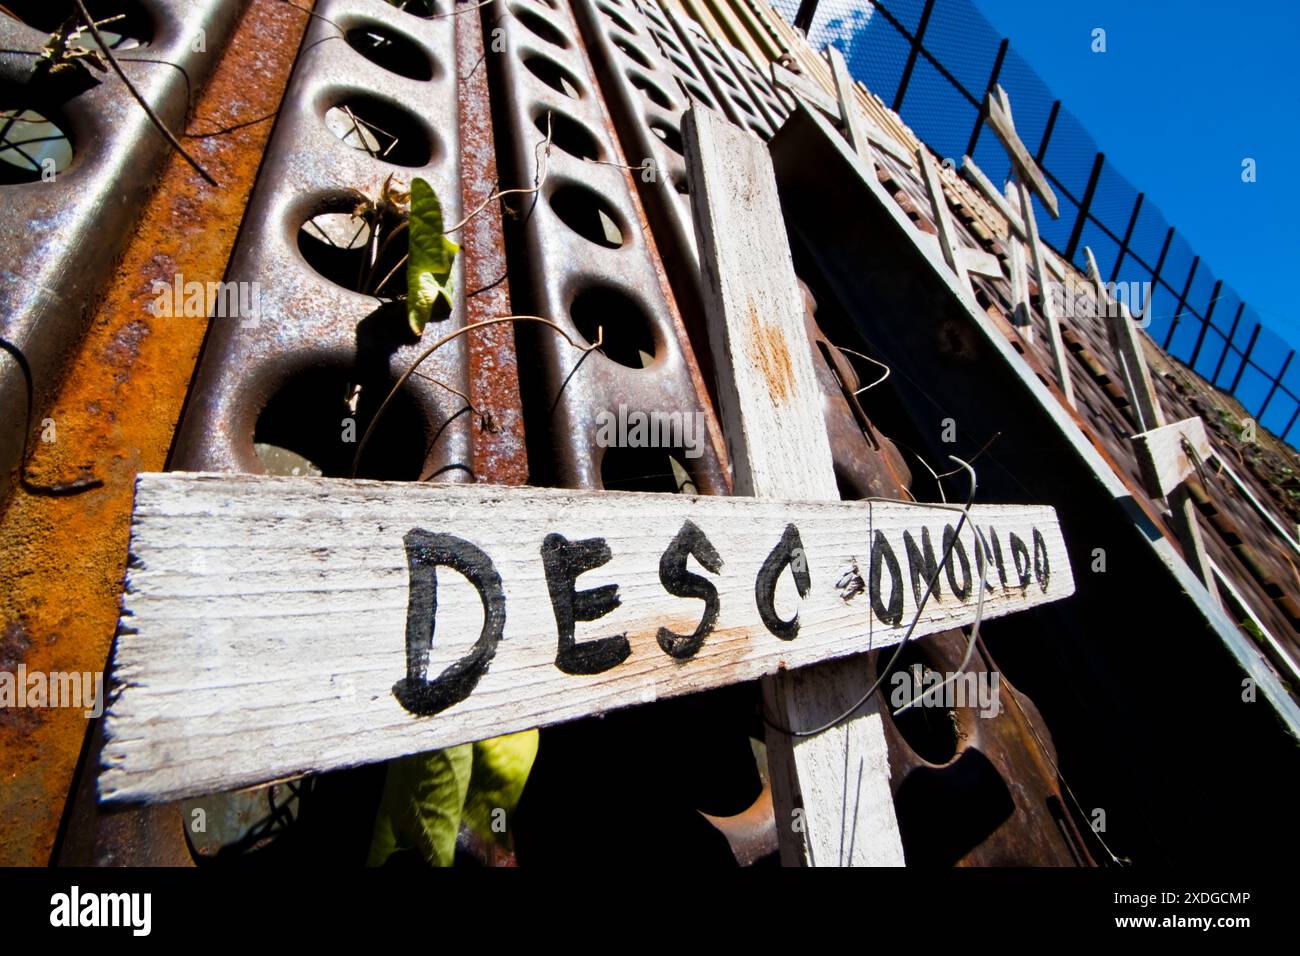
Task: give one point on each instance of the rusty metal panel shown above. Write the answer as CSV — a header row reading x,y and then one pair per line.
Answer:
x,y
286,380
63,235
590,262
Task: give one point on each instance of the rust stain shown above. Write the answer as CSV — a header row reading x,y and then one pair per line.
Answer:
x,y
114,417
772,353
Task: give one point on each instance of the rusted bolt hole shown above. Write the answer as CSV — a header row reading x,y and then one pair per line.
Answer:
x,y
587,214
629,337
384,130
135,29
928,728
339,245
650,89
391,50
553,75
539,26
315,421
569,135
671,136
33,141
652,469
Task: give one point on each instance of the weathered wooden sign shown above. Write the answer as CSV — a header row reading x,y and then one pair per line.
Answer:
x,y
273,626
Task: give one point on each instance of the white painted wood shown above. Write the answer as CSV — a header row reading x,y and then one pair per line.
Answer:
x,y
265,619
1124,338
805,89
1041,262
985,263
942,217
854,121
1243,651
993,196
1162,458
999,119
1020,315
830,791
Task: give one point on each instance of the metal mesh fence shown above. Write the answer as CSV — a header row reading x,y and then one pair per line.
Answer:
x,y
934,60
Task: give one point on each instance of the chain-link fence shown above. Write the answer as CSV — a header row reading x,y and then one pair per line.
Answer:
x,y
932,61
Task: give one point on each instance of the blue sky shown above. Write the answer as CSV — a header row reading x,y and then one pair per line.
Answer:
x,y
1184,92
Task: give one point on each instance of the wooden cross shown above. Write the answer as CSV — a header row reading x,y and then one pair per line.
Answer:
x,y
1161,449
277,626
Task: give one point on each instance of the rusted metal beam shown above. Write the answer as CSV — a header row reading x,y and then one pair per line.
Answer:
x,y
114,417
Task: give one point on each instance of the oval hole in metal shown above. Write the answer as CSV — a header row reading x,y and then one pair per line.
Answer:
x,y
629,337
569,135
650,89
135,28
390,50
539,26
553,75
587,214
382,129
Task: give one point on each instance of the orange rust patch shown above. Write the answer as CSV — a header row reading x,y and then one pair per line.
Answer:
x,y
115,414
773,357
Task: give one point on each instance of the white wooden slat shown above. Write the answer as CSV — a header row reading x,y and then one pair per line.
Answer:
x,y
942,216
771,411
268,622
1041,262
1161,456
999,119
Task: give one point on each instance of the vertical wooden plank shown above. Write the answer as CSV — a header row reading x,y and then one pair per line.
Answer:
x,y
943,219
853,119
830,792
1043,278
1146,404
1020,317
1124,336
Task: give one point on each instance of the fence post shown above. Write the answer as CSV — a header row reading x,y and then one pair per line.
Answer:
x,y
1128,235
1205,324
912,55
804,18
993,82
1084,206
1241,306
1182,300
1047,131
1259,415
1245,357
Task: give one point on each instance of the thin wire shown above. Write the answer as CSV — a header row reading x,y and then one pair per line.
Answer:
x,y
867,358
916,618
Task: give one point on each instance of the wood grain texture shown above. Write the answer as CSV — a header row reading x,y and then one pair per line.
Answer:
x,y
854,121
999,118
1041,263
831,790
993,196
1162,458
1124,337
805,89
265,619
942,216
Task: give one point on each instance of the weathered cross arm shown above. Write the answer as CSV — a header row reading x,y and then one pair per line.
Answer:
x,y
998,110
275,626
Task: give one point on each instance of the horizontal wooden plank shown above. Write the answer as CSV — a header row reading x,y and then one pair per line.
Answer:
x,y
805,89
274,626
1162,459
1026,167
985,263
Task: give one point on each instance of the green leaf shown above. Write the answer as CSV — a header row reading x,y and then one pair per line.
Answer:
x,y
501,768
428,271
424,797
